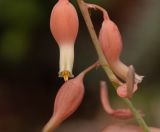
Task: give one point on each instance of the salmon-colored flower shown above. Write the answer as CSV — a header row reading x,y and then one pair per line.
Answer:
x,y
67,100
64,27
111,43
116,113
119,113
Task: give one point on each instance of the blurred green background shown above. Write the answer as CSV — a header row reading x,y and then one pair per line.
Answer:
x,y
29,59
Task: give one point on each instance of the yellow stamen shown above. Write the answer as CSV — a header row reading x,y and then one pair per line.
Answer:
x,y
65,74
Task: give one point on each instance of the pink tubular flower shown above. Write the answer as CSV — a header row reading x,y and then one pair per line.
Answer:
x,y
67,100
111,43
64,27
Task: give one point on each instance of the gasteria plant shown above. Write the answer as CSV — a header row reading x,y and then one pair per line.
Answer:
x,y
64,27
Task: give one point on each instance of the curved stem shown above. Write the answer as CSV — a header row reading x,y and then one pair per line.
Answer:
x,y
104,98
105,14
89,68
86,16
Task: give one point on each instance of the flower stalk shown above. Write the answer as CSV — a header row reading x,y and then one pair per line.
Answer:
x,y
84,10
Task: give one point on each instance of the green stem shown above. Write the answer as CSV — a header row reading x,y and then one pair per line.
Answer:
x,y
103,61
137,115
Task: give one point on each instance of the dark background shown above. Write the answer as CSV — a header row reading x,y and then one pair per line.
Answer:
x,y
29,59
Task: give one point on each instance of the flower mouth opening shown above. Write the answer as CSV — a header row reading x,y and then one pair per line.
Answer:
x,y
66,75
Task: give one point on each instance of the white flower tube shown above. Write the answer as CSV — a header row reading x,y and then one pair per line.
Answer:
x,y
66,61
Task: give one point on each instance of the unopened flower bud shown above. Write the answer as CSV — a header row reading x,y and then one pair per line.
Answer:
x,y
118,113
111,44
67,100
64,27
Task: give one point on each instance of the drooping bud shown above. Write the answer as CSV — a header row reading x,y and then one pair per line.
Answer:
x,y
67,100
64,27
111,44
119,113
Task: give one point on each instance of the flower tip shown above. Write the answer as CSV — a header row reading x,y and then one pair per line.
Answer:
x,y
66,75
138,79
